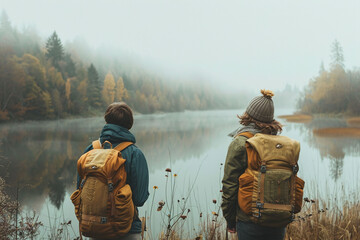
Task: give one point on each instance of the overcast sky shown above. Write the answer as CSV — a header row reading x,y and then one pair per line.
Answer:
x,y
252,44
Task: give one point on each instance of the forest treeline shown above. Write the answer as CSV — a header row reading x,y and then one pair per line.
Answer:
x,y
333,91
48,81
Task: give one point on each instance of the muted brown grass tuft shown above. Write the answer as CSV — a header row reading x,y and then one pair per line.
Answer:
x,y
353,122
335,224
298,118
337,132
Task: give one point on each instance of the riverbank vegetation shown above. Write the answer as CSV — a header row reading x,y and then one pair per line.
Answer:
x,y
334,90
354,121
298,118
338,132
317,220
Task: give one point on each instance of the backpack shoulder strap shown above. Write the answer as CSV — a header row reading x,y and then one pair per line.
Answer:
x,y
123,145
245,134
96,144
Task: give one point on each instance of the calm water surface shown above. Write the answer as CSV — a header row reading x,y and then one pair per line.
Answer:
x,y
40,158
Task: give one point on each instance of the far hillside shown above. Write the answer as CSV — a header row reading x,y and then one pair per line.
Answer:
x,y
42,79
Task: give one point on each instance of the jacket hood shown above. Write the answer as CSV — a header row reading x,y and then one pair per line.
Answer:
x,y
116,134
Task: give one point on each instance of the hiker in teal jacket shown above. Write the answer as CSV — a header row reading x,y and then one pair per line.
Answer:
x,y
116,132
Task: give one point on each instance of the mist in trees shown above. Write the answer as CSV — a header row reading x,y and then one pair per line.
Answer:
x,y
50,80
335,90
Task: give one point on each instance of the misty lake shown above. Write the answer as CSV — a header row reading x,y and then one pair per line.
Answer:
x,y
40,158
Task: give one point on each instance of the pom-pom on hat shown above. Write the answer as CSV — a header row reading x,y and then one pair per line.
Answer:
x,y
261,108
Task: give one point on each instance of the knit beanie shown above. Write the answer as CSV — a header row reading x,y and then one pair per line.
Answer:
x,y
261,108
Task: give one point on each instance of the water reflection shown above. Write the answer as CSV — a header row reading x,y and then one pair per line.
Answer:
x,y
332,148
40,157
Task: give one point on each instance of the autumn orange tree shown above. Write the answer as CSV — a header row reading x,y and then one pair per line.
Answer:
x,y
335,90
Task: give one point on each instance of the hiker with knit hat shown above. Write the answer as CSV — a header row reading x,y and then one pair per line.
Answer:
x,y
261,192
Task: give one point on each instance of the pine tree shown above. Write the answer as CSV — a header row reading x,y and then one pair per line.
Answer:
x,y
55,50
93,91
337,55
8,36
70,68
5,24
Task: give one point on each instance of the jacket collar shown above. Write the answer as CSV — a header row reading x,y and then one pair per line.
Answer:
x,y
249,128
116,134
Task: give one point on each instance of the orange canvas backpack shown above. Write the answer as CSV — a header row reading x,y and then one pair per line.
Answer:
x,y
270,192
103,203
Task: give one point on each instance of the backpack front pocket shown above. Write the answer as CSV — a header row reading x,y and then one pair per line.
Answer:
x,y
124,206
246,185
75,199
299,191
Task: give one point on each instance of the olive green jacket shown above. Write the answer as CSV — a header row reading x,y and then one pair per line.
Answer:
x,y
235,165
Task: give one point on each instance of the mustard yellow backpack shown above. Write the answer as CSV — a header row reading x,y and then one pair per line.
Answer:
x,y
103,203
270,191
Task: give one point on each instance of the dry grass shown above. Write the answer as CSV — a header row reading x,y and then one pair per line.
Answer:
x,y
337,132
353,122
297,118
319,223
313,223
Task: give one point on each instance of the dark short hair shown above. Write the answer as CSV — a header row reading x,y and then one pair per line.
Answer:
x,y
119,113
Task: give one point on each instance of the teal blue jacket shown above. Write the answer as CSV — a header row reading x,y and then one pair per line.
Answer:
x,y
135,166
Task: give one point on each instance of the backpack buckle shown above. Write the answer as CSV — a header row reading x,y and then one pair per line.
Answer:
x,y
110,187
259,205
295,169
263,169
292,218
257,215
103,220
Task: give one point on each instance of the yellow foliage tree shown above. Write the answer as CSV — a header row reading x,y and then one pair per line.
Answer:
x,y
108,91
120,91
55,79
82,90
68,91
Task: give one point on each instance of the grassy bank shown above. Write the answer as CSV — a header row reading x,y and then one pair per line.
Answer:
x,y
319,219
298,118
315,221
353,122
337,132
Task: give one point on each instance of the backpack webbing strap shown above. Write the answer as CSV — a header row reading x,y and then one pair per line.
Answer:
x,y
96,144
293,192
123,145
278,206
245,134
262,185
